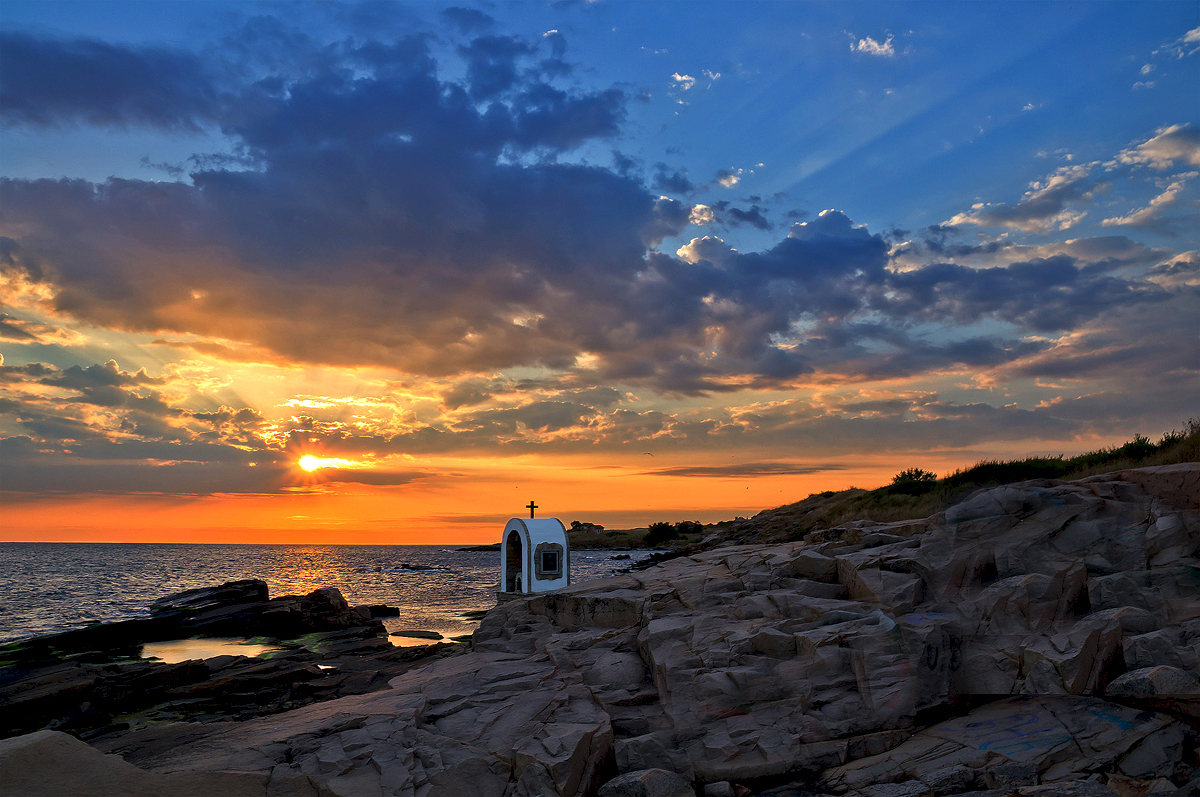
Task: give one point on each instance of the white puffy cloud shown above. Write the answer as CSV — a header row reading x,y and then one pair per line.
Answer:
x,y
701,214
684,82
710,248
870,46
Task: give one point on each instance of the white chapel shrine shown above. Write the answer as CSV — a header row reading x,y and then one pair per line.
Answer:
x,y
534,555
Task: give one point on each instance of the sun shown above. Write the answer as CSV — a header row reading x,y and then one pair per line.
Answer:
x,y
310,463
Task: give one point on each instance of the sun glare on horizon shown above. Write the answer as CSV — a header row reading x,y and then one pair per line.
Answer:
x,y
311,463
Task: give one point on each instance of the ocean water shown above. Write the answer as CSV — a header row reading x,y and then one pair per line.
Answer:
x,y
49,587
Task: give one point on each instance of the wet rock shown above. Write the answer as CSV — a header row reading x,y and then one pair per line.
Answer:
x,y
195,601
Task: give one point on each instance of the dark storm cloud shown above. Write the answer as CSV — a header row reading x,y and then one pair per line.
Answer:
x,y
51,83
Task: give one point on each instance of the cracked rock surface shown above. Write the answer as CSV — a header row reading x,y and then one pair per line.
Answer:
x,y
1037,638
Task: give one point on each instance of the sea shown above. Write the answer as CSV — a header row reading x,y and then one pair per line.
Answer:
x,y
51,587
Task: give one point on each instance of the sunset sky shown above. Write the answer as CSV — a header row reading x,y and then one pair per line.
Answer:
x,y
636,261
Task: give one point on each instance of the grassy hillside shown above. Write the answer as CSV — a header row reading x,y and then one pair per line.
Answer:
x,y
915,493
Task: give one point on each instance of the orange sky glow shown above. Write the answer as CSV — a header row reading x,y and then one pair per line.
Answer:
x,y
469,506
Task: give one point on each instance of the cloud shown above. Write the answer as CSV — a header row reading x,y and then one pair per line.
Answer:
x,y
1044,207
683,82
742,470
1185,45
467,20
709,248
753,217
1153,216
701,214
870,46
673,180
728,178
1126,345
1169,146
1184,269
57,83
492,64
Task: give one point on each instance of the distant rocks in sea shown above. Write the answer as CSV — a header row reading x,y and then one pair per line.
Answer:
x,y
417,634
1036,639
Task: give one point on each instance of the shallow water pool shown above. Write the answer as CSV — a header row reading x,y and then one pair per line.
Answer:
x,y
178,650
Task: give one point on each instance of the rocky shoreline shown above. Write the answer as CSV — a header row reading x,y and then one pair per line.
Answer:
x,y
1040,638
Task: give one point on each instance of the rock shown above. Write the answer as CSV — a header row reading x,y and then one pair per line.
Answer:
x,y
194,601
53,764
1124,786
647,783
379,610
1160,680
1157,755
417,634
1078,788
721,788
910,789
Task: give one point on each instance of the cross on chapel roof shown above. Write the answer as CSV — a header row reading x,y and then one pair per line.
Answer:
x,y
532,506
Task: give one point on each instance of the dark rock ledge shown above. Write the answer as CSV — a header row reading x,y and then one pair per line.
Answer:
x,y
91,683
1037,639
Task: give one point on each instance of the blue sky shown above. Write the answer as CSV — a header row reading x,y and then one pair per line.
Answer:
x,y
424,240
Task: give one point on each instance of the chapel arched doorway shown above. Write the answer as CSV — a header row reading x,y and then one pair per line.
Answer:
x,y
512,562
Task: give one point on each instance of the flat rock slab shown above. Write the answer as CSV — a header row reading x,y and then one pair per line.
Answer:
x,y
1032,739
53,764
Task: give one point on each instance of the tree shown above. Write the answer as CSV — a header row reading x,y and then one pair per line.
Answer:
x,y
660,532
914,481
